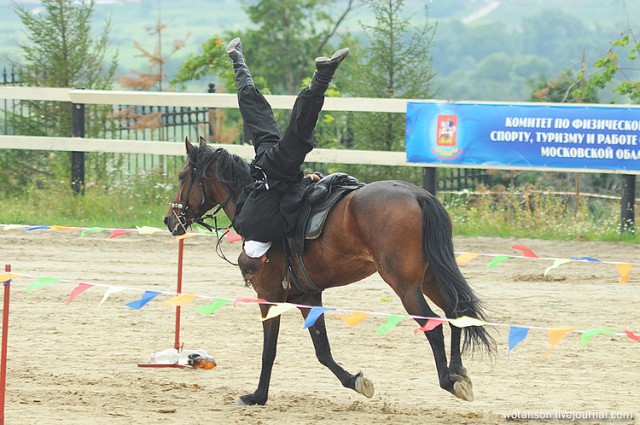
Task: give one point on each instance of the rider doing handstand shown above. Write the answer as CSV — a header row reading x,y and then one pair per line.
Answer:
x,y
266,210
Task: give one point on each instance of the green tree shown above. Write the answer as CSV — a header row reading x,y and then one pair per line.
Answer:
x,y
285,37
396,62
618,67
60,51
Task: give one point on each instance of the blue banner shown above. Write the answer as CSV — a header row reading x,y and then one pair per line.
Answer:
x,y
536,136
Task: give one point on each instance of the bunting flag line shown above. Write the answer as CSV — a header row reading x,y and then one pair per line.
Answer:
x,y
517,333
117,232
463,258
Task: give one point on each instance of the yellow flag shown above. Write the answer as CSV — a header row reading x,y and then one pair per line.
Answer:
x,y
7,276
54,228
355,318
465,258
625,271
555,336
180,300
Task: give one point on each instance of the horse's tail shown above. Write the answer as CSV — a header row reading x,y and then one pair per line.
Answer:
x,y
438,248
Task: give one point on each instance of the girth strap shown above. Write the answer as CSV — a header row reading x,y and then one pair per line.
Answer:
x,y
304,283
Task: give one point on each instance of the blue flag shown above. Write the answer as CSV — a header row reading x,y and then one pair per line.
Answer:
x,y
314,314
144,299
517,334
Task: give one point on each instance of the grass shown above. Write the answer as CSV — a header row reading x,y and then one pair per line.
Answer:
x,y
143,202
527,213
531,213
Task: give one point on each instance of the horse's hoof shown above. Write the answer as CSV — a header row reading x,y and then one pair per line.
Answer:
x,y
364,386
248,400
241,402
462,387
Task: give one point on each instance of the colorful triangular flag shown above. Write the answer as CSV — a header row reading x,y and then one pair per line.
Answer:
x,y
313,315
497,260
354,318
40,282
555,336
208,309
517,334
589,334
77,291
278,309
625,271
180,300
392,322
144,300
430,325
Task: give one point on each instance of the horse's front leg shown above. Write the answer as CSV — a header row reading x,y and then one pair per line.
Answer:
x,y
320,340
271,329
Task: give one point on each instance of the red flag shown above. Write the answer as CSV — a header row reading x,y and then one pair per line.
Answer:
x,y
118,232
77,291
527,252
429,326
632,336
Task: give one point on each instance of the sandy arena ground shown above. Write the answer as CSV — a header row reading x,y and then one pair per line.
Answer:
x,y
78,364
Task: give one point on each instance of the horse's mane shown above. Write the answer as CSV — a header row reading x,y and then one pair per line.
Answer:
x,y
230,168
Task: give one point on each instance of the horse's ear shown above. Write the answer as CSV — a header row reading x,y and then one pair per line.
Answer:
x,y
203,142
187,145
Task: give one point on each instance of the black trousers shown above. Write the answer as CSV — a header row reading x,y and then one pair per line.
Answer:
x,y
267,212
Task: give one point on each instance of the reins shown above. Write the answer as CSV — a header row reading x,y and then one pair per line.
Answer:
x,y
199,218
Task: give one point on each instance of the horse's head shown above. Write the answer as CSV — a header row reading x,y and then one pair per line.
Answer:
x,y
210,177
192,199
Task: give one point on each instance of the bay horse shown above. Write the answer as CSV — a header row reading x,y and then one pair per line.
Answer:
x,y
391,227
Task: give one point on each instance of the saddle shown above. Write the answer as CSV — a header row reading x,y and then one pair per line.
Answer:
x,y
318,200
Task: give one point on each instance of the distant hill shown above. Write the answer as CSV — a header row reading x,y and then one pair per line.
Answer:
x,y
476,39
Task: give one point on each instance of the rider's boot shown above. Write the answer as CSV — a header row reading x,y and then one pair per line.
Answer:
x,y
325,68
243,76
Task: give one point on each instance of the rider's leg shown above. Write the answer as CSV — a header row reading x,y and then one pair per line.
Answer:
x,y
298,141
255,109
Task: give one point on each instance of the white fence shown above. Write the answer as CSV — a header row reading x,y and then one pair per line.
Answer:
x,y
211,100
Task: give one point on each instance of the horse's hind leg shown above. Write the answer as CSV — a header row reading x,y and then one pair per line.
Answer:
x,y
416,305
320,340
463,387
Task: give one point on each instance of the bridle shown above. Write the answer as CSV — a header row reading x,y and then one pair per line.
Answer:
x,y
198,216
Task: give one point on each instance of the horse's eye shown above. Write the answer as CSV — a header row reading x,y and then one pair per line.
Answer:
x,y
181,178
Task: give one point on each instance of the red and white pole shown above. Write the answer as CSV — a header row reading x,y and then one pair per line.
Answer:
x,y
176,344
5,343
